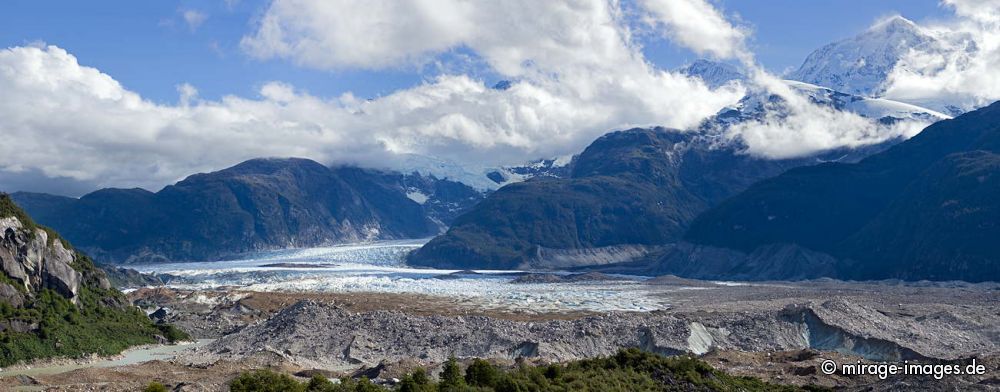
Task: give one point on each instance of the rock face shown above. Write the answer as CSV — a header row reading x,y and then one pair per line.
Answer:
x,y
925,209
54,300
259,204
32,262
713,73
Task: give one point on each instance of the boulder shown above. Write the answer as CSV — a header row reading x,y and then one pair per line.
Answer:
x,y
10,295
160,315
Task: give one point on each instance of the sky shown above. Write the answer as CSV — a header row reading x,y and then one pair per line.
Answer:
x,y
141,94
151,48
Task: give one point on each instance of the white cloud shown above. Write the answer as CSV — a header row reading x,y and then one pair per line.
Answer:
x,y
74,121
576,68
194,18
797,126
985,11
794,126
962,70
696,24
359,33
187,93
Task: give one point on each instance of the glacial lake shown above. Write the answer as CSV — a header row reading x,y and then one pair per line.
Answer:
x,y
129,357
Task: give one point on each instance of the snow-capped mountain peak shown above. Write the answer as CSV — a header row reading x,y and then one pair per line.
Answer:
x,y
713,73
860,65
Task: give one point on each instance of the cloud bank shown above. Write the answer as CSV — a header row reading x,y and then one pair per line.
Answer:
x,y
963,71
577,74
577,71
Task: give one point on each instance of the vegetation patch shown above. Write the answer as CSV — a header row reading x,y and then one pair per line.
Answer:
x,y
629,370
49,325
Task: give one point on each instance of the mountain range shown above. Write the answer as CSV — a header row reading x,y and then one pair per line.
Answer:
x,y
924,209
256,205
862,65
644,200
627,192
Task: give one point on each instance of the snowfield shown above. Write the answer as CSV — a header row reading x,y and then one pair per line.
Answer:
x,y
379,268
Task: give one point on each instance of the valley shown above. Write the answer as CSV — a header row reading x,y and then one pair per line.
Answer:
x,y
780,331
438,196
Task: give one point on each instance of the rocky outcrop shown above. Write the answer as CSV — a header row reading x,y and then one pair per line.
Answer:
x,y
29,258
123,278
11,295
55,301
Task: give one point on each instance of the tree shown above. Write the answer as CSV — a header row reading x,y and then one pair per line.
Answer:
x,y
318,383
481,374
451,375
417,381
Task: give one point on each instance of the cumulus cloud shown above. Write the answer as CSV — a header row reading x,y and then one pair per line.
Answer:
x,y
76,122
961,70
696,24
576,71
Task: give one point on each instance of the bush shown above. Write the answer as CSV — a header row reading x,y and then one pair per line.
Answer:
x,y
481,374
155,387
72,330
265,381
172,333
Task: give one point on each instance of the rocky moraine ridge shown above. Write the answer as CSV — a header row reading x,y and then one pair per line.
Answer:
x,y
764,318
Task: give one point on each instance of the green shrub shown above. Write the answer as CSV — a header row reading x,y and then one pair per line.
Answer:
x,y
318,383
265,381
155,387
172,333
629,370
481,374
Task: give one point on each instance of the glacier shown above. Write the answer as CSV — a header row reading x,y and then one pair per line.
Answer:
x,y
379,267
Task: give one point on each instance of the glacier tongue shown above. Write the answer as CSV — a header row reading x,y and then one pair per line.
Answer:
x,y
378,268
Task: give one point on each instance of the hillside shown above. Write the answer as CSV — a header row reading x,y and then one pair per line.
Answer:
x,y
634,187
258,204
54,302
924,209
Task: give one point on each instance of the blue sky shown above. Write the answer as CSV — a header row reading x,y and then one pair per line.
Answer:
x,y
150,49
